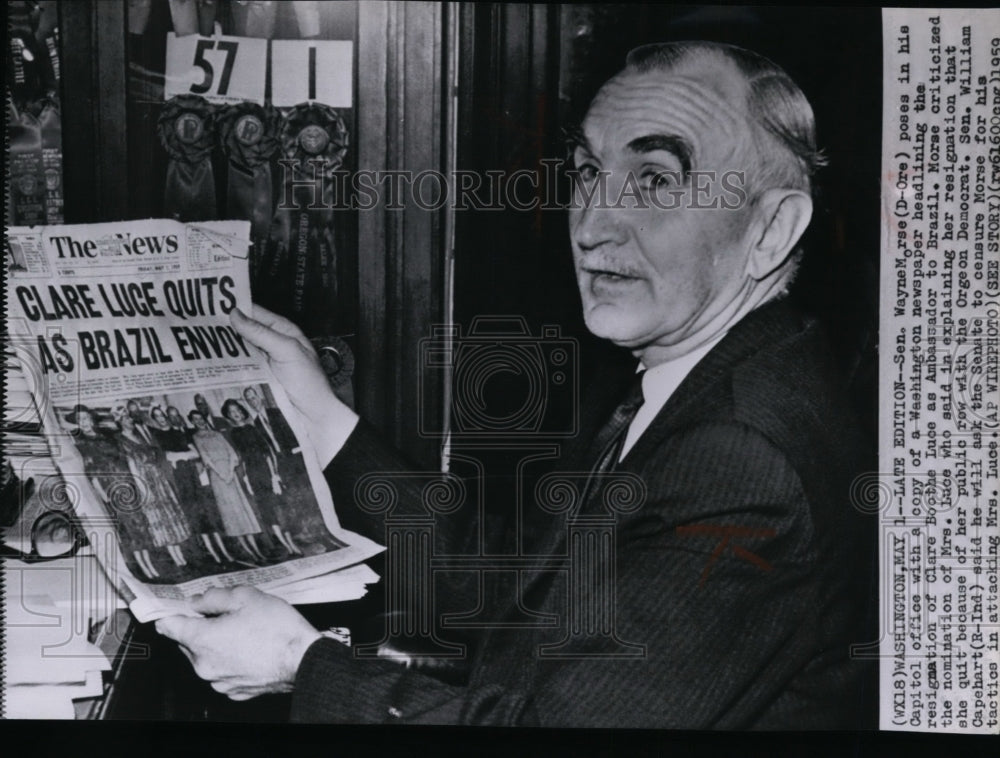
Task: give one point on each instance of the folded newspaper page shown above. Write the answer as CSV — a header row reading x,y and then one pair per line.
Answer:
x,y
183,457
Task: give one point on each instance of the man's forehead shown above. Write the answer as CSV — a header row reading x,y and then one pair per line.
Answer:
x,y
705,95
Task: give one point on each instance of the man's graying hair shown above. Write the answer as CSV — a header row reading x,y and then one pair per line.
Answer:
x,y
773,100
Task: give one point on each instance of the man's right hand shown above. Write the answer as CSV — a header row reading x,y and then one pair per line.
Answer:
x,y
294,362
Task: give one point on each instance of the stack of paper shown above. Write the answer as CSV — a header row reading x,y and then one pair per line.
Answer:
x,y
22,427
48,662
347,584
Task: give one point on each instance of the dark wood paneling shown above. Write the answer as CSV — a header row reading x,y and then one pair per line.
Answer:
x,y
373,359
510,261
110,71
401,270
77,54
94,124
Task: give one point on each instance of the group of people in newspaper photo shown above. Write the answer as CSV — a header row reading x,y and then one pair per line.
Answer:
x,y
195,489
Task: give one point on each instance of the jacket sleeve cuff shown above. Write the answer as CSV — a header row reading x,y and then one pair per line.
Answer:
x,y
332,686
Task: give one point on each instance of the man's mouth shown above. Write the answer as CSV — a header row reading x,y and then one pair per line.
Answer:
x,y
610,275
610,282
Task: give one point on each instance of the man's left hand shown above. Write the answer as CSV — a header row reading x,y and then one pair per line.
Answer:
x,y
249,644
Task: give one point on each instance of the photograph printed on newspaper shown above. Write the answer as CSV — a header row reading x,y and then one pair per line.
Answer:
x,y
181,449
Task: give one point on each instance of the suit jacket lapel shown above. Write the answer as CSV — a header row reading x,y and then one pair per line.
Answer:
x,y
700,389
696,394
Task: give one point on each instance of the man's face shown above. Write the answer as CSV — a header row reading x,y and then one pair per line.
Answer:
x,y
653,275
201,404
133,410
252,398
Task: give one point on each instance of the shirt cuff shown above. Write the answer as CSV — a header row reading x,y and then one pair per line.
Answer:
x,y
329,437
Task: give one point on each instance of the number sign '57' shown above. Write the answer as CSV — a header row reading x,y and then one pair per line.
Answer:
x,y
221,69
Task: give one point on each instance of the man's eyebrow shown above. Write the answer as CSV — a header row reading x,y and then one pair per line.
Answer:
x,y
669,143
575,138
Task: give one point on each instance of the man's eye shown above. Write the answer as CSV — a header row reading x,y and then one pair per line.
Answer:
x,y
661,179
588,172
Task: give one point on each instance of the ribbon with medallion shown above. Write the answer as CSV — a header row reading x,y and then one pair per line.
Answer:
x,y
303,255
248,134
186,130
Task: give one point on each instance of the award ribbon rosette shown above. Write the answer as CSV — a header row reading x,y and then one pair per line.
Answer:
x,y
314,142
186,130
249,136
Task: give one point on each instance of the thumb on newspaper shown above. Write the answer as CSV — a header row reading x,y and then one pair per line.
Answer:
x,y
217,601
272,341
177,628
294,363
290,356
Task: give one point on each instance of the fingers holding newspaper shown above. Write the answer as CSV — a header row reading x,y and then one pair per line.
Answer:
x,y
292,359
249,643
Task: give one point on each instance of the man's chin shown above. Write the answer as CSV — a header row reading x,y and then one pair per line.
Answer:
x,y
609,323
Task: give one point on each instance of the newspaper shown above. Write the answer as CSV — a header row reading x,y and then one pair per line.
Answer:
x,y
940,338
181,453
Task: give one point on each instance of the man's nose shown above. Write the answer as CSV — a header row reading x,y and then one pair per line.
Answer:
x,y
598,223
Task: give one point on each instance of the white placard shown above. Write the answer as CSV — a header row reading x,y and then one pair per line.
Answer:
x,y
221,69
311,70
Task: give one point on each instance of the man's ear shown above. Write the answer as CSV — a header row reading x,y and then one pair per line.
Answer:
x,y
782,216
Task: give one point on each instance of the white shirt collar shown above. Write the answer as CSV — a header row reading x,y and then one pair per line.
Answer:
x,y
658,384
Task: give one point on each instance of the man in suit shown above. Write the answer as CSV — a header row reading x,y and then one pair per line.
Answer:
x,y
139,419
307,521
731,585
271,424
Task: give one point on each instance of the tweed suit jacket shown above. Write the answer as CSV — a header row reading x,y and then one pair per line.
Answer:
x,y
735,584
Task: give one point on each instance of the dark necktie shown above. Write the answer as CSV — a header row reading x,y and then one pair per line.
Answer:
x,y
607,445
